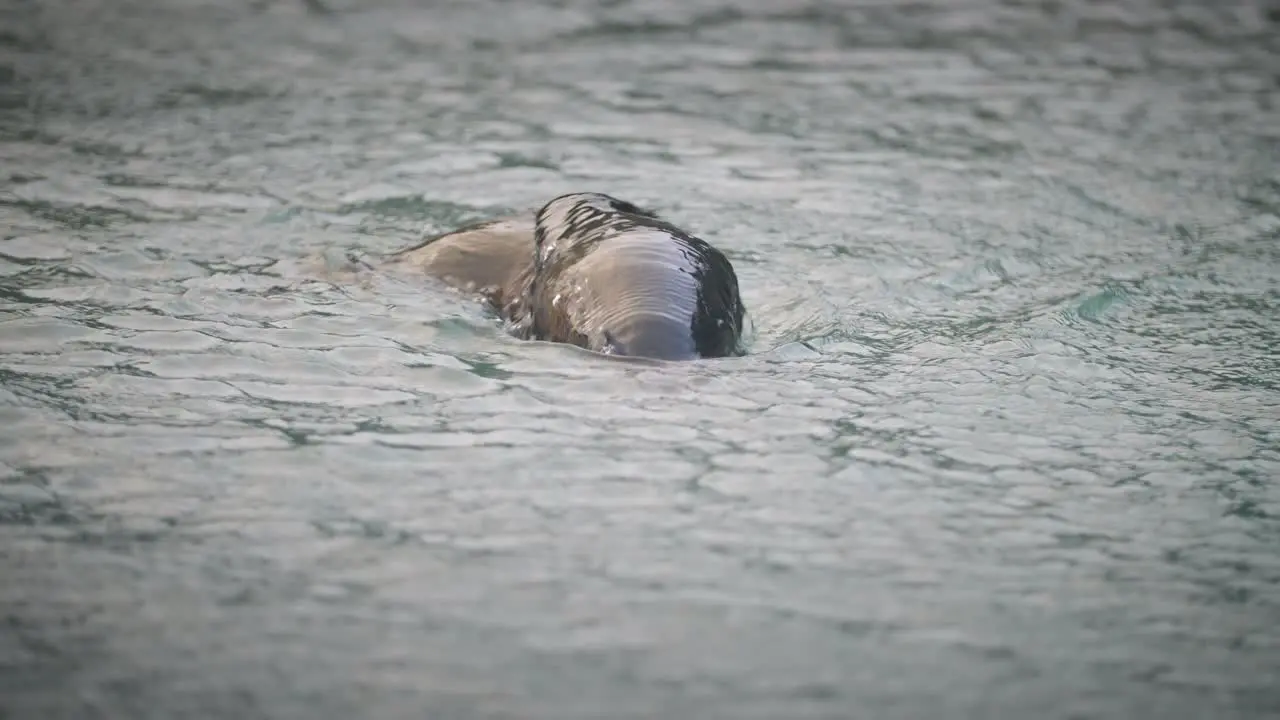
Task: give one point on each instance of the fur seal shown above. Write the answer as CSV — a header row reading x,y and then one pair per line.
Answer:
x,y
594,271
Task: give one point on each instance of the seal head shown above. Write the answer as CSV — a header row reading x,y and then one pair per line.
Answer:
x,y
594,271
609,276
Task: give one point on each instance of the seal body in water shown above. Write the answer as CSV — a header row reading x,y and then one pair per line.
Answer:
x,y
597,272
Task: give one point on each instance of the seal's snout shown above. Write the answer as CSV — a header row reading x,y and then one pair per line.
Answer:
x,y
652,336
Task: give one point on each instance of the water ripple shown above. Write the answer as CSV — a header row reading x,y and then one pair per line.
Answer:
x,y
1004,445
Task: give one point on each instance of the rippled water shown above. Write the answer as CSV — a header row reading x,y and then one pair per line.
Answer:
x,y
1006,444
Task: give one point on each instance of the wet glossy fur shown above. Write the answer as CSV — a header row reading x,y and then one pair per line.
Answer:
x,y
598,272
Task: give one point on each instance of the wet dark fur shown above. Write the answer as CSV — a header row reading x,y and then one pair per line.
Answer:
x,y
571,228
587,227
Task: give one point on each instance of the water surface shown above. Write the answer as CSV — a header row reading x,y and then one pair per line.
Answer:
x,y
1005,444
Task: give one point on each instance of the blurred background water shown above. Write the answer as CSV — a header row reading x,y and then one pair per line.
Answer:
x,y
1005,446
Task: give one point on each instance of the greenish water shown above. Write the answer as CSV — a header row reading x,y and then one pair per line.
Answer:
x,y
1006,444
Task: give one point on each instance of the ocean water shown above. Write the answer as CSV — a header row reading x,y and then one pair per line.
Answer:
x,y
1005,445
